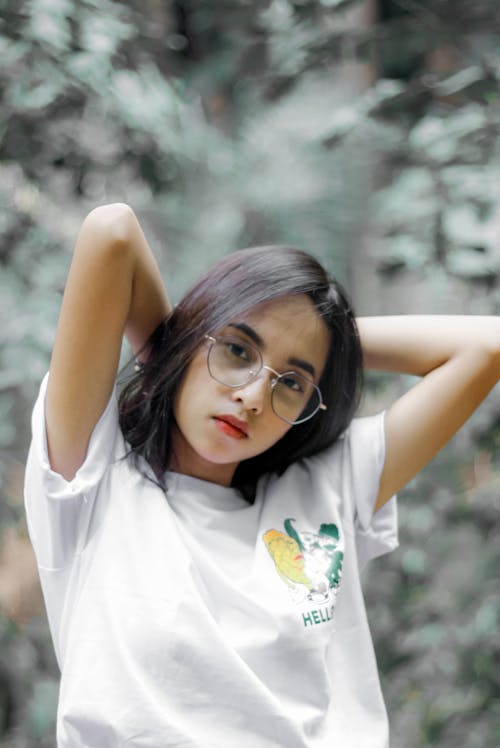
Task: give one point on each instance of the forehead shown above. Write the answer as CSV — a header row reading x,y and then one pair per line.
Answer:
x,y
290,327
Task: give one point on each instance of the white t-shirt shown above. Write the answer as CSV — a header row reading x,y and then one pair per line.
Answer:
x,y
193,619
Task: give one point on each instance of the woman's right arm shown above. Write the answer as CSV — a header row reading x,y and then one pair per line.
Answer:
x,y
114,287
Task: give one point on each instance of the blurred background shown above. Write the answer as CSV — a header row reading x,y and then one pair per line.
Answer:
x,y
364,131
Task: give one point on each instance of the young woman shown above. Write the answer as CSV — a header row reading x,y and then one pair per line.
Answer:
x,y
200,541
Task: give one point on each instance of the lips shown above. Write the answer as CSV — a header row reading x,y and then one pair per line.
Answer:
x,y
232,426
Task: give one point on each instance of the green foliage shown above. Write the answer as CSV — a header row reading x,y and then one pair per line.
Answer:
x,y
289,121
439,669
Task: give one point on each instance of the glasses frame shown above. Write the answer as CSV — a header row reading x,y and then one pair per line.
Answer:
x,y
212,340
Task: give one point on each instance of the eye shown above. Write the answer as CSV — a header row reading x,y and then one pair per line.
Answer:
x,y
238,350
293,382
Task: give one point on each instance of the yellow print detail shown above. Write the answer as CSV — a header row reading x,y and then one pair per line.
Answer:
x,y
309,563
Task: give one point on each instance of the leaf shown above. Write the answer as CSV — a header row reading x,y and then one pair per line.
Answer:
x,y
477,183
463,226
460,222
37,91
7,426
278,16
49,23
101,33
410,198
42,707
149,102
470,263
91,70
406,251
440,138
487,617
414,562
431,135
370,103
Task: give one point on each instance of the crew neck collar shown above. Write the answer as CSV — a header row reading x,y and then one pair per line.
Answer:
x,y
180,486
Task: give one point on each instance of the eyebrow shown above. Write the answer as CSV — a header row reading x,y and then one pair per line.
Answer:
x,y
250,333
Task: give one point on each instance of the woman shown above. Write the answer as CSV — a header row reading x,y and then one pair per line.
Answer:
x,y
200,544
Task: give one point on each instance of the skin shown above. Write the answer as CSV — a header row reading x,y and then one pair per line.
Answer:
x,y
289,328
457,359
113,288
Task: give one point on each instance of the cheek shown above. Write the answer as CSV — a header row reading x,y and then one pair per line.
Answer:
x,y
273,432
191,390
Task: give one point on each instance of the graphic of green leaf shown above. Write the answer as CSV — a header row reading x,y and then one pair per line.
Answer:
x,y
293,532
329,529
335,569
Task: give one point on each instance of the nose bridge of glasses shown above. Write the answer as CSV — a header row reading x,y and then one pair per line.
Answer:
x,y
257,374
255,391
273,371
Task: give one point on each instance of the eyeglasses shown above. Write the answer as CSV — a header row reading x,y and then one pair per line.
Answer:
x,y
235,363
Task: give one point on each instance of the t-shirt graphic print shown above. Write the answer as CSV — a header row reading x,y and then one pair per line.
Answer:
x,y
310,565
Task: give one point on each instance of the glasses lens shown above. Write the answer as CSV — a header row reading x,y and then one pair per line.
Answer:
x,y
233,362
295,398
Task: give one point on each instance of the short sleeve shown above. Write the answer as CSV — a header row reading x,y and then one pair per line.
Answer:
x,y
363,460
58,511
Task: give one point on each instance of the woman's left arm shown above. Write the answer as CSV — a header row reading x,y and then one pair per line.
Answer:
x,y
458,359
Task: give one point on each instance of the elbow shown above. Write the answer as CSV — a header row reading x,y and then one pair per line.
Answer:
x,y
110,211
478,344
494,356
113,221
109,228
491,345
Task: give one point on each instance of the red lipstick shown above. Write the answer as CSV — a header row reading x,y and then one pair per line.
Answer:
x,y
232,426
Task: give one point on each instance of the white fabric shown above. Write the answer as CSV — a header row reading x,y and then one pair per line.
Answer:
x,y
193,619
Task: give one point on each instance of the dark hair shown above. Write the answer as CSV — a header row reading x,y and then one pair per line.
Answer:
x,y
237,283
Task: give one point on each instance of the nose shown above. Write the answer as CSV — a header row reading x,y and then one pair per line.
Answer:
x,y
255,394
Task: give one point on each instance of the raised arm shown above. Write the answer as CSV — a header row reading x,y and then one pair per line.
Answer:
x,y
114,286
458,359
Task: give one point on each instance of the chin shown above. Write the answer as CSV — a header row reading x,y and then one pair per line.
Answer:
x,y
221,456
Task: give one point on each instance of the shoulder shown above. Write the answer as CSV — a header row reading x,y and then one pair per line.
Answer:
x,y
367,432
351,466
365,435
105,445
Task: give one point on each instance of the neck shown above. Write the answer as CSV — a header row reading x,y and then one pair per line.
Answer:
x,y
185,460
